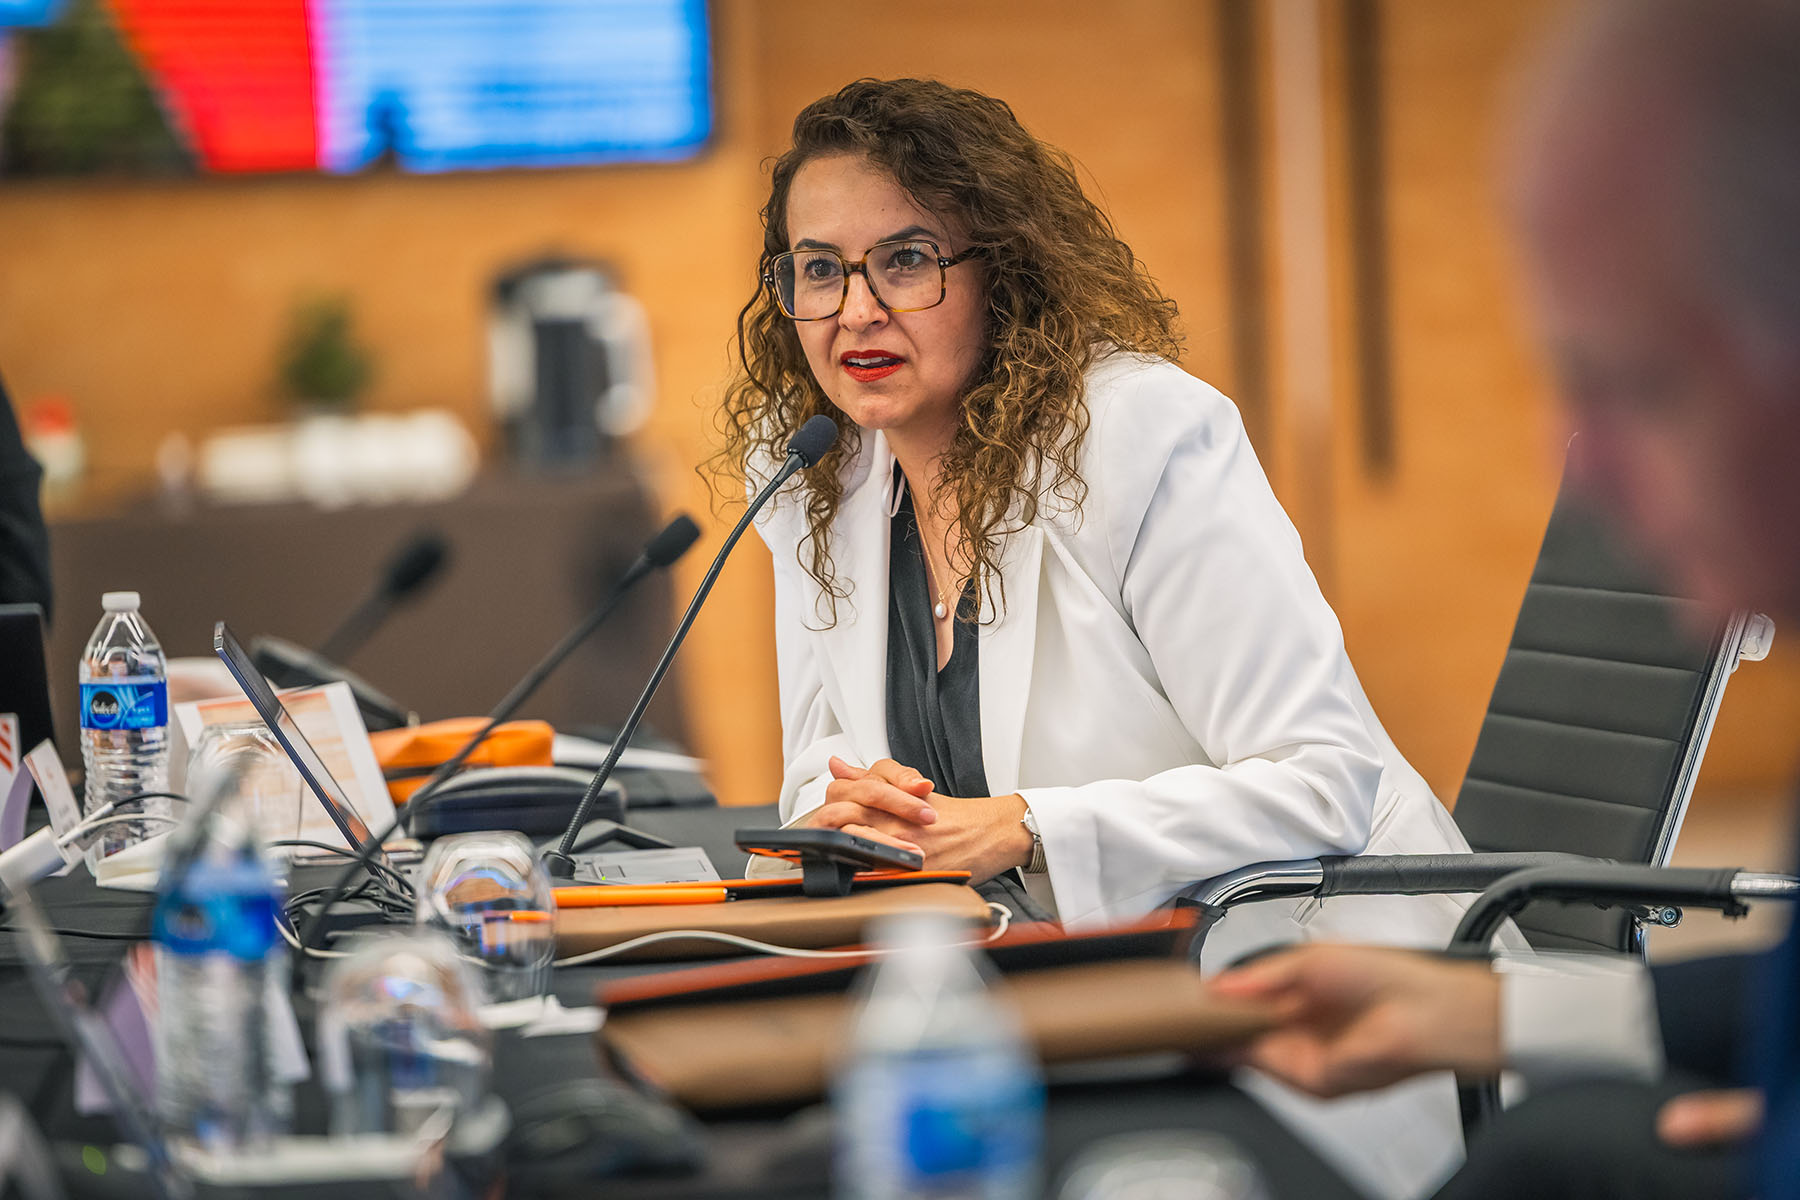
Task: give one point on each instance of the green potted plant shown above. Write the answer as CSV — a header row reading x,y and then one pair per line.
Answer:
x,y
323,367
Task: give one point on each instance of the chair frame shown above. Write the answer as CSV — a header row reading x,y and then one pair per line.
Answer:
x,y
1745,637
1730,890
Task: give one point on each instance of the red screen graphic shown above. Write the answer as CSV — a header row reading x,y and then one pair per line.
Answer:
x,y
236,75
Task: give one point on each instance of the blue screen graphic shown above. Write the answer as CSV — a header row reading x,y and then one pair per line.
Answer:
x,y
441,85
27,13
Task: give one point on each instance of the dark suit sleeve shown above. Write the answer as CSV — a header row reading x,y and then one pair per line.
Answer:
x,y
1702,1006
24,542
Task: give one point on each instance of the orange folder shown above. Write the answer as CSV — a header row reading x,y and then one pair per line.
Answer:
x,y
710,891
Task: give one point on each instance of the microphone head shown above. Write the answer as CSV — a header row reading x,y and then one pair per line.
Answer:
x,y
816,437
673,542
415,564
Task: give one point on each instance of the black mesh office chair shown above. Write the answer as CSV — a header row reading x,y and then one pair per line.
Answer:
x,y
1589,750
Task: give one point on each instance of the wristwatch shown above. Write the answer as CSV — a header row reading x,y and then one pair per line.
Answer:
x,y
1037,863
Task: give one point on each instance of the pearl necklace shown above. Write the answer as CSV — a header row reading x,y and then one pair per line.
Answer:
x,y
940,610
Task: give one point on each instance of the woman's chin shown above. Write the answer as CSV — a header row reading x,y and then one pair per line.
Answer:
x,y
881,413
871,417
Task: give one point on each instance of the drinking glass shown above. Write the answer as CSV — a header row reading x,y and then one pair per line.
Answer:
x,y
262,788
402,1049
490,893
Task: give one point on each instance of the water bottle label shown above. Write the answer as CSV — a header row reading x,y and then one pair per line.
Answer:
x,y
133,703
937,1121
217,911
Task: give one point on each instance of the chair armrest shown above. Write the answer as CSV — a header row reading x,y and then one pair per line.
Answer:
x,y
1258,881
1607,884
1432,874
1364,875
1610,884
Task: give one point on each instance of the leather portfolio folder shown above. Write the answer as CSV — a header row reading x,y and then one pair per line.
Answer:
x,y
770,1033
802,922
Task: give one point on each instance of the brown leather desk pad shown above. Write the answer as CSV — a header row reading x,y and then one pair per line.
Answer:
x,y
767,1033
801,922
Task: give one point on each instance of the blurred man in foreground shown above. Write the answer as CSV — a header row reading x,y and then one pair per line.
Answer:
x,y
1658,194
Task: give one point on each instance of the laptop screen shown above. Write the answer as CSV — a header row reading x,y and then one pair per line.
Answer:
x,y
287,731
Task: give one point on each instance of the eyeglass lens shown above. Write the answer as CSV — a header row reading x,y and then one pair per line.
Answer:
x,y
905,276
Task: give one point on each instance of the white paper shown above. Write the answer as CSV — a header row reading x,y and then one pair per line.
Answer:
x,y
541,1016
136,868
328,716
567,750
53,785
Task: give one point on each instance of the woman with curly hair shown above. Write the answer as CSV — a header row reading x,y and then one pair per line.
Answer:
x,y
1038,610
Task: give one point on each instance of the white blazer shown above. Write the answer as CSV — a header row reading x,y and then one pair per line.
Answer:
x,y
1164,683
1169,691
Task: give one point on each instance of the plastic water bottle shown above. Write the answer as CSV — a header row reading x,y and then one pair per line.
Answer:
x,y
940,1097
219,960
124,718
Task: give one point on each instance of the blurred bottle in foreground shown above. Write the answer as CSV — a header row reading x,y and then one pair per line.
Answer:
x,y
940,1096
124,718
219,963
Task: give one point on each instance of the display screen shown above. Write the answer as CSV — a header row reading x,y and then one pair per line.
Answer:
x,y
205,86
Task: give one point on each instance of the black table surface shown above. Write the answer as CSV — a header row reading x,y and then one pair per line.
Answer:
x,y
746,1155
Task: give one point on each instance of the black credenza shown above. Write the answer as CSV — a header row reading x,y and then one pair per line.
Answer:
x,y
530,555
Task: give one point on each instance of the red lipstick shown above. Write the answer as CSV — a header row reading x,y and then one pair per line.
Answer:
x,y
866,366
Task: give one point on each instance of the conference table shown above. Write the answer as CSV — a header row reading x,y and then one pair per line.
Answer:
x,y
754,1153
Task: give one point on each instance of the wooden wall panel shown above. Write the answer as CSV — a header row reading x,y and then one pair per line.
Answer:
x,y
1432,557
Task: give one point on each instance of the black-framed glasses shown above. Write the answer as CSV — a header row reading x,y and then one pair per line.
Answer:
x,y
904,276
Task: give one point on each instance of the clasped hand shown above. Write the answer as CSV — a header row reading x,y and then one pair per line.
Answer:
x,y
892,803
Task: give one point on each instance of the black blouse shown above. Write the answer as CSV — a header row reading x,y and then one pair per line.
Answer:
x,y
934,716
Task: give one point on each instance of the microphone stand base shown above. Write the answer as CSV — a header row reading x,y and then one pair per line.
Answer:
x,y
599,833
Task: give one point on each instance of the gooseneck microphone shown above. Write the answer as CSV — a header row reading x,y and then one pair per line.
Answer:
x,y
414,565
669,544
806,448
661,551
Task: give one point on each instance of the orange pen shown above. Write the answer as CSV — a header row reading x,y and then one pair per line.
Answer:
x,y
606,895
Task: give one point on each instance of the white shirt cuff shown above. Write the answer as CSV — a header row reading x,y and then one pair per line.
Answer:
x,y
1567,1016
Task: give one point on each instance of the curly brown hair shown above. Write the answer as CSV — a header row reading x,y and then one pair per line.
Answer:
x,y
1062,289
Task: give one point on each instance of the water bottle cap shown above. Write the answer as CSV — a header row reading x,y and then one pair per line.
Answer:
x,y
120,602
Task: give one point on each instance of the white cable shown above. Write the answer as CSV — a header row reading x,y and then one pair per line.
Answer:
x,y
88,827
1002,919
293,941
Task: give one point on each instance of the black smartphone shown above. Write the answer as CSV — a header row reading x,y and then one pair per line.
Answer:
x,y
832,845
